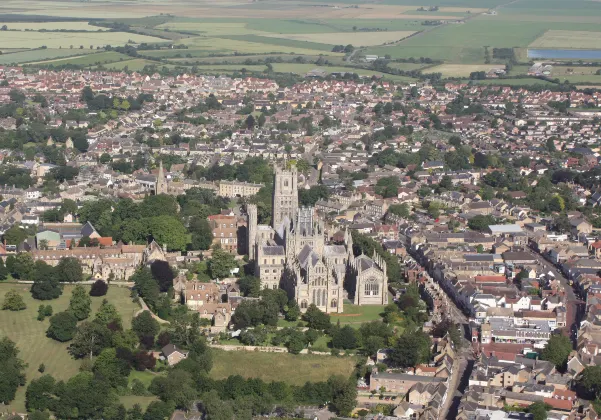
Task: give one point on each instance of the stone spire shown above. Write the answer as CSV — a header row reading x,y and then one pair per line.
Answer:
x,y
161,185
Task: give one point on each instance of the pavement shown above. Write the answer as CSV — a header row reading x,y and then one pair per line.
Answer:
x,y
574,305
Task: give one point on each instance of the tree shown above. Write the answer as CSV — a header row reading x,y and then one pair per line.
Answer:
x,y
23,267
168,230
45,283
293,312
39,393
296,342
69,270
344,395
62,326
250,286
538,410
221,263
557,203
145,325
99,288
89,340
3,270
481,222
111,369
13,301
250,122
401,210
344,338
12,368
80,304
44,311
557,351
177,387
107,314
159,410
411,349
316,319
162,272
589,383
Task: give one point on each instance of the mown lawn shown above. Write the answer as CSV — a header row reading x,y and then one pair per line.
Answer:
x,y
356,315
293,369
30,334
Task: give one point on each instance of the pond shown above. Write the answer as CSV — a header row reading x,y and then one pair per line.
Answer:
x,y
565,54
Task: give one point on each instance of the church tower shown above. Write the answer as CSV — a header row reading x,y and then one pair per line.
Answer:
x,y
285,196
161,185
251,210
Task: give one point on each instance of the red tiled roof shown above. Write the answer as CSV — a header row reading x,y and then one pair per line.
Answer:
x,y
564,405
105,241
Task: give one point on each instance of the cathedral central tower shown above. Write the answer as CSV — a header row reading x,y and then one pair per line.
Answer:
x,y
285,196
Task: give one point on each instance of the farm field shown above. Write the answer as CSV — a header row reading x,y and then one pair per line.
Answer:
x,y
40,55
354,38
281,42
460,70
568,39
526,81
67,39
230,46
294,369
305,68
88,60
135,64
52,26
30,334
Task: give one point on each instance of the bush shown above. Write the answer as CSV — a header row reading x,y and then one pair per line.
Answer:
x,y
99,288
42,368
13,301
62,326
138,388
44,311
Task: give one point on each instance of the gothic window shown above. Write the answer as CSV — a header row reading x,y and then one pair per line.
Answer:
x,y
372,288
324,298
314,301
303,304
285,183
334,304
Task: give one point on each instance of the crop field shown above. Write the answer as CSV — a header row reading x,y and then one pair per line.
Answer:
x,y
230,46
135,64
354,38
52,26
305,68
69,39
40,55
568,39
460,70
526,81
89,60
280,42
294,369
30,334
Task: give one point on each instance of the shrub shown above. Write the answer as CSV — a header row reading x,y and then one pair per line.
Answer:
x,y
99,288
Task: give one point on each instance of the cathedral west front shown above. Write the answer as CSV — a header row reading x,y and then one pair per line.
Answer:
x,y
294,254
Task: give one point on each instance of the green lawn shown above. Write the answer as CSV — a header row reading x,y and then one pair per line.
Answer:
x,y
39,55
356,315
294,369
30,334
130,400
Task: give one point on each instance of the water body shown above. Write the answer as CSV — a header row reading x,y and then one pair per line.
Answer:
x,y
565,54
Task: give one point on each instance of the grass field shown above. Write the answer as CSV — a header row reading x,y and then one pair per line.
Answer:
x,y
305,68
289,44
136,64
30,334
33,39
568,39
356,315
526,81
41,55
52,26
460,70
89,60
294,369
355,38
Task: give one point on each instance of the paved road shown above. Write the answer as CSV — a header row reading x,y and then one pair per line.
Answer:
x,y
574,306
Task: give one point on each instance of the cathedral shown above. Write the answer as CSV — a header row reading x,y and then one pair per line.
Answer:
x,y
295,255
